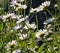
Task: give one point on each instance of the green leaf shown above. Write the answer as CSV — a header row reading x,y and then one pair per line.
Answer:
x,y
40,49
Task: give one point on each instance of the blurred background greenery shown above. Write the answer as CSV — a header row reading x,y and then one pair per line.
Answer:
x,y
2,2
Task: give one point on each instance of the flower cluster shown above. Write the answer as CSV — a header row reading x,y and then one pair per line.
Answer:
x,y
10,16
16,4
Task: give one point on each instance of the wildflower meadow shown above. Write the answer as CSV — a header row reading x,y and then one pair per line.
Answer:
x,y
19,35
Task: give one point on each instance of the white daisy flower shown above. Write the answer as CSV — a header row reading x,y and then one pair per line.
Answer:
x,y
32,10
40,8
19,26
11,44
49,20
55,5
22,19
49,39
49,25
46,3
24,6
43,5
40,33
55,48
13,2
25,27
32,26
17,51
50,31
17,5
4,17
22,36
20,0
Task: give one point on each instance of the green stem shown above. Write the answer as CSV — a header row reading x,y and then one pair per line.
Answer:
x,y
24,12
18,12
3,7
21,11
56,35
8,4
45,15
30,4
55,12
36,20
25,1
50,13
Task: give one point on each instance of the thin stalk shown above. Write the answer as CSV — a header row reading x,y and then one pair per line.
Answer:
x,y
30,4
1,37
55,12
45,15
25,2
56,17
56,36
8,4
24,12
18,12
36,20
24,9
3,7
54,26
57,24
21,11
50,13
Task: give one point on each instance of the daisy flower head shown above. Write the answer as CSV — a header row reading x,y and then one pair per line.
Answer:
x,y
20,0
43,6
17,51
46,3
55,5
11,44
41,33
32,10
22,36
